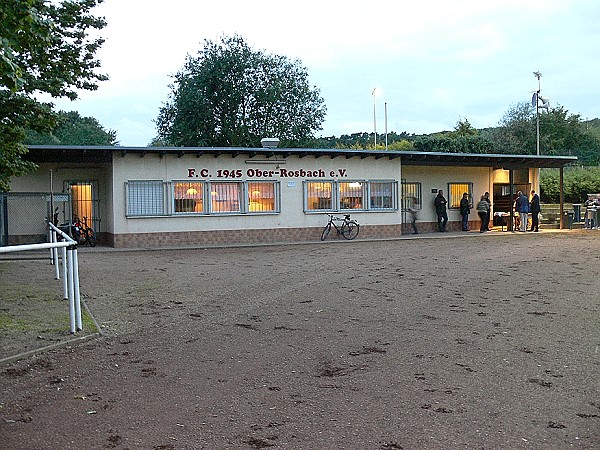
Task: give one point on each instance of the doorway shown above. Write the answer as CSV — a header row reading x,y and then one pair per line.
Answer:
x,y
84,202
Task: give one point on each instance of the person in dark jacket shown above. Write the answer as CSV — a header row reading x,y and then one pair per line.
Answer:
x,y
535,209
465,209
489,202
483,210
440,209
522,207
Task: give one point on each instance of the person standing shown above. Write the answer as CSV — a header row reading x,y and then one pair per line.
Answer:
x,y
440,209
489,202
483,211
535,209
465,208
522,207
413,211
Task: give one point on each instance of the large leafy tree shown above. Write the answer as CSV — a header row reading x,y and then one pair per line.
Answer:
x,y
232,95
72,129
560,133
45,47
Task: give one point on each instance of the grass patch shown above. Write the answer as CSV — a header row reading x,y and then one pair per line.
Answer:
x,y
11,324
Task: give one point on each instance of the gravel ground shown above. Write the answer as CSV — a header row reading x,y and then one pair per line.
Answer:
x,y
447,341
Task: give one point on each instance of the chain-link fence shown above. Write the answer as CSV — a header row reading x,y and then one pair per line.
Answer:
x,y
23,216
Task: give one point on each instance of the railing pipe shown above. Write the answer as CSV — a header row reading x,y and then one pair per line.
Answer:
x,y
64,267
71,290
70,269
76,290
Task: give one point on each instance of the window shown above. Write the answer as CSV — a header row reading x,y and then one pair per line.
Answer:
x,y
145,198
159,198
262,196
411,195
351,195
382,195
319,195
225,197
456,191
346,195
188,197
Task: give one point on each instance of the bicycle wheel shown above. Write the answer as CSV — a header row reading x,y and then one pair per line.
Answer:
x,y
326,231
91,237
350,229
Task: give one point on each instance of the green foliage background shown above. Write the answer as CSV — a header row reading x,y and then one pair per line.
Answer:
x,y
577,183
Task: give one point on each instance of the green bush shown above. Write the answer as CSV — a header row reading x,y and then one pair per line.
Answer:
x,y
577,181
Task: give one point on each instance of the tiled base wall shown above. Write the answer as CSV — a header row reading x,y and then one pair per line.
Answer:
x,y
427,227
228,237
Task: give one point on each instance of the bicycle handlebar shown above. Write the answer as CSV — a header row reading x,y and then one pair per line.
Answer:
x,y
346,217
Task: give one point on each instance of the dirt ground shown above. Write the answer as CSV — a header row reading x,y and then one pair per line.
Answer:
x,y
447,341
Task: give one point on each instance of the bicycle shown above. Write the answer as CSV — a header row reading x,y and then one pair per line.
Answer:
x,y
82,233
349,228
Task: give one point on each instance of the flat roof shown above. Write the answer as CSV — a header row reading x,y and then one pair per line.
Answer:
x,y
83,154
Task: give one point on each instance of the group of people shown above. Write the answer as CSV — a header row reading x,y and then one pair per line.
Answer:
x,y
484,206
523,206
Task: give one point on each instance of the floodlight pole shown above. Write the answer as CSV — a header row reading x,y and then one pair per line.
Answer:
x,y
386,130
538,75
374,93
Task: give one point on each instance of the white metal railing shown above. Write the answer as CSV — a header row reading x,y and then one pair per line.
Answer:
x,y
70,266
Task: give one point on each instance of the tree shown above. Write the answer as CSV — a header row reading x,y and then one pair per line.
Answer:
x,y
464,128
560,133
453,144
72,129
44,48
231,95
577,183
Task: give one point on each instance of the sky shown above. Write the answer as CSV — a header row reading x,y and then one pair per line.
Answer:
x,y
434,62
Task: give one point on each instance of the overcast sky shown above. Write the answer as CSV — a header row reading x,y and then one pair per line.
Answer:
x,y
435,61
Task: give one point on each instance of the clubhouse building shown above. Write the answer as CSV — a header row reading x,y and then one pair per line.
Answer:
x,y
153,197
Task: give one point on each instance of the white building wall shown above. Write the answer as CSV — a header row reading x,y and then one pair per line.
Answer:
x,y
434,178
287,172
54,177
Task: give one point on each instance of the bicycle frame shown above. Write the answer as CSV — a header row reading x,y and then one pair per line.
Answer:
x,y
348,229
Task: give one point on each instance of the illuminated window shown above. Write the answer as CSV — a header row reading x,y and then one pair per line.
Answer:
x,y
347,195
225,197
319,195
411,195
382,195
456,191
262,196
188,197
351,195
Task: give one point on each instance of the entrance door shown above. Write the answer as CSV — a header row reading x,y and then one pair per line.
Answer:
x,y
504,199
84,201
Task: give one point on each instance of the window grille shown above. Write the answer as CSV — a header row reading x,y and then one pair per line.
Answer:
x,y
188,197
351,195
145,198
456,191
263,196
84,201
382,195
411,195
225,197
319,195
